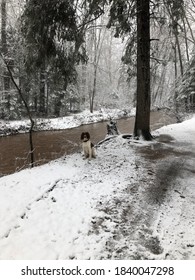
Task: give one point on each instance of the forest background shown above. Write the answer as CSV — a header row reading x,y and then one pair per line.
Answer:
x,y
67,56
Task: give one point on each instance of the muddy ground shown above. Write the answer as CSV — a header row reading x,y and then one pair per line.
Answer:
x,y
155,217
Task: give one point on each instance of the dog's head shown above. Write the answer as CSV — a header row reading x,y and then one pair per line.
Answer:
x,y
85,136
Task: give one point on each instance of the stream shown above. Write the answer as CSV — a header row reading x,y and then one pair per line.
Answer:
x,y
50,145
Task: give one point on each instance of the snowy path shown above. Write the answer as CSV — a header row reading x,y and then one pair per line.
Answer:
x,y
176,221
156,219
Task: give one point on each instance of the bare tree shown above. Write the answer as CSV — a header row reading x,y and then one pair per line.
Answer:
x,y
26,107
98,38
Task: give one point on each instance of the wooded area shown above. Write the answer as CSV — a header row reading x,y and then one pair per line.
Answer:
x,y
59,57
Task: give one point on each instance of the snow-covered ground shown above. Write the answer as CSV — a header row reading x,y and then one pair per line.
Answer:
x,y
136,200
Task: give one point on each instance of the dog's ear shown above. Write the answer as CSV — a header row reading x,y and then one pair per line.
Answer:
x,y
87,135
82,135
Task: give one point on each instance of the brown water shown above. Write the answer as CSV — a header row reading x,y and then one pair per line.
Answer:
x,y
49,145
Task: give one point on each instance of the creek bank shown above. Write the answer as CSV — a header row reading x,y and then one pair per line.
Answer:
x,y
8,128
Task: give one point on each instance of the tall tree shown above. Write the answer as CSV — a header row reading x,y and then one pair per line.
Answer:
x,y
4,50
54,33
175,10
98,36
142,119
122,16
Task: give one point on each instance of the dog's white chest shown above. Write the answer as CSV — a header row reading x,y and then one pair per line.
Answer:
x,y
86,146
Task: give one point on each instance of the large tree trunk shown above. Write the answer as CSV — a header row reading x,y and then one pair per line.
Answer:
x,y
142,120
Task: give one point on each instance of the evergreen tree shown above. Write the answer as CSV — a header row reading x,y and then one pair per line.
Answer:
x,y
132,19
54,33
142,119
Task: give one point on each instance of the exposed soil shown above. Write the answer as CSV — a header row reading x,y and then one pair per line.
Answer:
x,y
140,214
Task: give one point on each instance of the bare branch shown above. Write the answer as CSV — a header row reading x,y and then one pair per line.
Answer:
x,y
25,104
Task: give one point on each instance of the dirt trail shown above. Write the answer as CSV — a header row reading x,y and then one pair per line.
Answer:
x,y
174,165
155,217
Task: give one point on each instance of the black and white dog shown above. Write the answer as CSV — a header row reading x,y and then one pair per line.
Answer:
x,y
88,147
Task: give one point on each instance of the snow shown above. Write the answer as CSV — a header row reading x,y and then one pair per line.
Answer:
x,y
75,120
136,200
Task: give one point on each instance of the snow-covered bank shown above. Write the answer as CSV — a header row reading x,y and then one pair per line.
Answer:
x,y
125,204
14,127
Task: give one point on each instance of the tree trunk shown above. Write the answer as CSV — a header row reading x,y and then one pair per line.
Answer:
x,y
98,39
186,39
110,58
175,61
93,93
42,95
59,99
6,78
142,119
175,31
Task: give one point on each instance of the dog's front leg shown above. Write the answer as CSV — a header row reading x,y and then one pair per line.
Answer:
x,y
90,154
85,154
